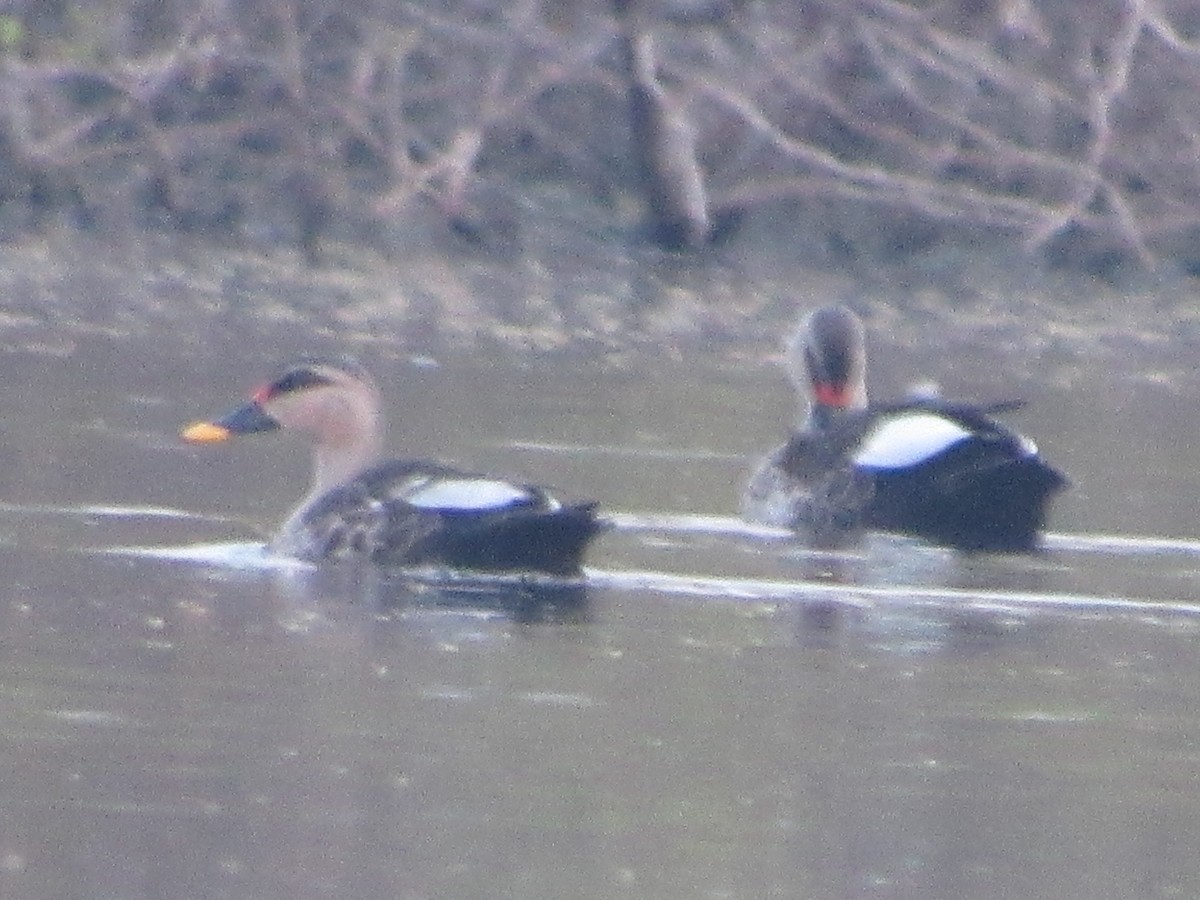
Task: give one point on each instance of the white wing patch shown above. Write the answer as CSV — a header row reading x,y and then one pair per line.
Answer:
x,y
466,494
908,440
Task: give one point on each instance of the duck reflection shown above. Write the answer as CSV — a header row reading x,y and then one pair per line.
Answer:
x,y
394,594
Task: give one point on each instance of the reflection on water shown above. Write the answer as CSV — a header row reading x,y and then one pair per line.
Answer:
x,y
716,712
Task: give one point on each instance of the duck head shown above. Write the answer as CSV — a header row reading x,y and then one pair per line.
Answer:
x,y
827,361
334,402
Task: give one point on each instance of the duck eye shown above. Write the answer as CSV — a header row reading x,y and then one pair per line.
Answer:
x,y
296,380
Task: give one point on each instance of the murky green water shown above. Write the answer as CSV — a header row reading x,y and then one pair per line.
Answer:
x,y
722,714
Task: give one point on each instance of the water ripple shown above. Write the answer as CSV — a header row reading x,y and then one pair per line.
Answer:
x,y
858,595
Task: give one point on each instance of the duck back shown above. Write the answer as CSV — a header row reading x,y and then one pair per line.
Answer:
x,y
976,495
406,513
948,473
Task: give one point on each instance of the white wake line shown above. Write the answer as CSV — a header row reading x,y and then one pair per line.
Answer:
x,y
681,523
246,556
693,524
766,589
1124,545
685,523
250,557
111,511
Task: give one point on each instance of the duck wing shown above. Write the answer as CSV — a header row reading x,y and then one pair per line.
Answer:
x,y
952,474
407,513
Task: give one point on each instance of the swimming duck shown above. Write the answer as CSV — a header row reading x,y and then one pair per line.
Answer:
x,y
397,512
947,472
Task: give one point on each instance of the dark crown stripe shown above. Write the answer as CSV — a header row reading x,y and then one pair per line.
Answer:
x,y
296,380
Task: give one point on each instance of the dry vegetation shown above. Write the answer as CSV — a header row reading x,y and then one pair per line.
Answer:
x,y
1072,128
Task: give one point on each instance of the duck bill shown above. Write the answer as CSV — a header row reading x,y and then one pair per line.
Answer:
x,y
247,419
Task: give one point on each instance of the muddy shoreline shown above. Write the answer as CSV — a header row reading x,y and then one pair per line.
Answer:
x,y
582,291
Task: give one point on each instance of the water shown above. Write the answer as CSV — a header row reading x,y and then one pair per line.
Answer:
x,y
720,713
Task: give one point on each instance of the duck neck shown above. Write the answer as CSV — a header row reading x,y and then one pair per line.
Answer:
x,y
336,462
819,418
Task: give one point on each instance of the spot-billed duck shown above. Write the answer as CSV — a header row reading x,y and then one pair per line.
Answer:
x,y
946,472
398,512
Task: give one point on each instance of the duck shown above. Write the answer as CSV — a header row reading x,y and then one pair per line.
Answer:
x,y
947,472
397,512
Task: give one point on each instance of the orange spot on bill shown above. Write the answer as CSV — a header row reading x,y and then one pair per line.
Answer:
x,y
204,433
